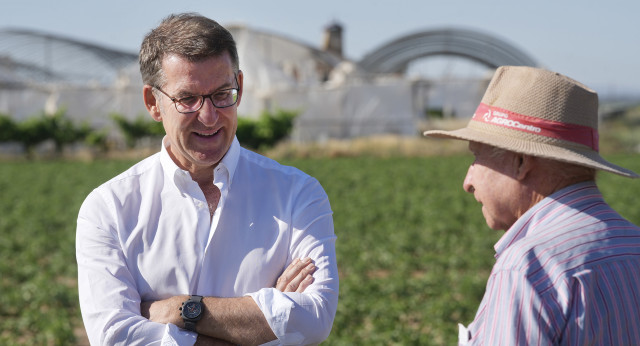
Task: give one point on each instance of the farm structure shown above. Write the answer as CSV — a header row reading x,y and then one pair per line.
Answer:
x,y
336,97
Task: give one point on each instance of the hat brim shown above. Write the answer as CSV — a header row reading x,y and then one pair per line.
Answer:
x,y
579,156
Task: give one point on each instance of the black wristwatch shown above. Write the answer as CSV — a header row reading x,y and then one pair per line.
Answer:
x,y
191,312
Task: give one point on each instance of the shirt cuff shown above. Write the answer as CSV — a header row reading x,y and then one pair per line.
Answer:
x,y
463,335
276,307
174,336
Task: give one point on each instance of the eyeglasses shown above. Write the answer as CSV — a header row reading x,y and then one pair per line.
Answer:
x,y
221,99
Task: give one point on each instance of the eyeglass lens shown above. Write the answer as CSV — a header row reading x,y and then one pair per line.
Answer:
x,y
220,99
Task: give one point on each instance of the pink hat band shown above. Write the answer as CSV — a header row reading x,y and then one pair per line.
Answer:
x,y
496,116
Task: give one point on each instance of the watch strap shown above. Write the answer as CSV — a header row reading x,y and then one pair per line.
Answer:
x,y
190,325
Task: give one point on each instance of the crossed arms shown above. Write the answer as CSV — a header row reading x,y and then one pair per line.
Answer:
x,y
232,321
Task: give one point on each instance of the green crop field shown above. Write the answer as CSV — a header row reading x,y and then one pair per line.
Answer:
x,y
414,252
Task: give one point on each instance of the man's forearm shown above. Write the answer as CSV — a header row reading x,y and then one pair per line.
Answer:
x,y
238,320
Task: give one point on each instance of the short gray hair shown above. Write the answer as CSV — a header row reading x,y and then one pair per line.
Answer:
x,y
189,35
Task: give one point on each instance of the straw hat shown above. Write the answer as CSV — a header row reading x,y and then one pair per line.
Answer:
x,y
540,113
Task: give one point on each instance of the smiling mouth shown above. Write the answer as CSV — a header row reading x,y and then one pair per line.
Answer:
x,y
206,135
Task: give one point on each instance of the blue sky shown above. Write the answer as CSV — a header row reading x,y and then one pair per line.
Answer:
x,y
595,42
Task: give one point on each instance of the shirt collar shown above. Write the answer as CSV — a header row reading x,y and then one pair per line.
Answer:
x,y
229,162
171,170
523,225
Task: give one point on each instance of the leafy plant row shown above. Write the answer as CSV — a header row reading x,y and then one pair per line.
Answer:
x,y
55,127
259,133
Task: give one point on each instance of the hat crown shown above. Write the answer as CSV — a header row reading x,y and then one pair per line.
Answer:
x,y
540,113
542,94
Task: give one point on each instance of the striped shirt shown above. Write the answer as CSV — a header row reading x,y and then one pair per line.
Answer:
x,y
567,273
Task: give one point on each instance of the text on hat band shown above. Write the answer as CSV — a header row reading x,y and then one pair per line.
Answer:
x,y
553,129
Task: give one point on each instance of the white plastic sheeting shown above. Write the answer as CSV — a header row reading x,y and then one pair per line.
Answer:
x,y
357,110
90,104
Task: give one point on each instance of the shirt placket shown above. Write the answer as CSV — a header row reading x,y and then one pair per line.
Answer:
x,y
194,195
221,182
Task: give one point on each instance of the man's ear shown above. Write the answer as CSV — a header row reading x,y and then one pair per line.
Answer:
x,y
151,103
240,86
526,164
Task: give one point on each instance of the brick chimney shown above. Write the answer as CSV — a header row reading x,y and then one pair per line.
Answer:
x,y
333,39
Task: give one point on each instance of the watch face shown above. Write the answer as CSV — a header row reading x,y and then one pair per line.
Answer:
x,y
191,309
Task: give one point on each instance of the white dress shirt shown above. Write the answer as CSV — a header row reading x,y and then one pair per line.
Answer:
x,y
146,235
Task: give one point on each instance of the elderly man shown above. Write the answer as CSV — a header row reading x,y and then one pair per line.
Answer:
x,y
567,269
192,244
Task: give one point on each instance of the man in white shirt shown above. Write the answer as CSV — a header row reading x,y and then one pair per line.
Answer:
x,y
204,242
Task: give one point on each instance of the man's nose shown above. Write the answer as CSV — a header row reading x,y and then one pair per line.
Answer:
x,y
467,184
208,114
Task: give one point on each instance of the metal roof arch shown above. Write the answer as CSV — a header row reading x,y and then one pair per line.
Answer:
x,y
491,51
